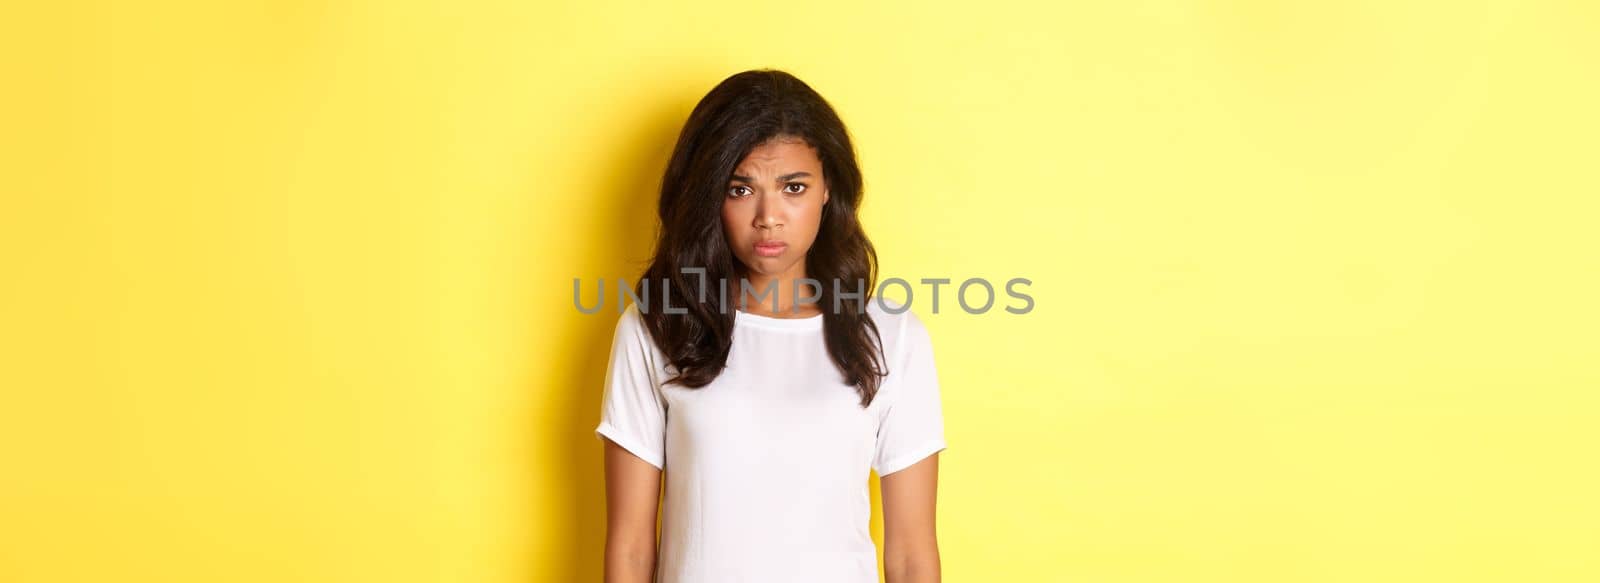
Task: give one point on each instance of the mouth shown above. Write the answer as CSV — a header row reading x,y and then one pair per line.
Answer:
x,y
770,248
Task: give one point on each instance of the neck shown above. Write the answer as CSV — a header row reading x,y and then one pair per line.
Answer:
x,y
767,289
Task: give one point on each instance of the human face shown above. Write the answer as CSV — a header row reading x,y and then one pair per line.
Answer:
x,y
773,206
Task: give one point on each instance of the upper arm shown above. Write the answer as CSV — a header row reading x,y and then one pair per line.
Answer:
x,y
910,438
912,426
633,427
911,542
909,500
633,492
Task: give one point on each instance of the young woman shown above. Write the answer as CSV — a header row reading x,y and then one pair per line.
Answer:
x,y
758,373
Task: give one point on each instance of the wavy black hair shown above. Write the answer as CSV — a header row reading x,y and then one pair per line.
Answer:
x,y
743,111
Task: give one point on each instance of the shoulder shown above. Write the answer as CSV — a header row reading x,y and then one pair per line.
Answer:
x,y
630,328
631,342
630,322
900,327
893,314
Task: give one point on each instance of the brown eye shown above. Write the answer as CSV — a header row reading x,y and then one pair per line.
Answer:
x,y
735,191
802,186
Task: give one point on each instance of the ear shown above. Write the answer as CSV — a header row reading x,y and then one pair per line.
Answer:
x,y
824,196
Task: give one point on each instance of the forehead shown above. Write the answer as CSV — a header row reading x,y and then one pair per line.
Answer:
x,y
778,156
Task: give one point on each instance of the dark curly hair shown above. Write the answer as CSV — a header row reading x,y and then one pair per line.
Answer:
x,y
741,112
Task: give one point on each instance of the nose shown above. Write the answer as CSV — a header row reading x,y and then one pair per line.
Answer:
x,y
768,213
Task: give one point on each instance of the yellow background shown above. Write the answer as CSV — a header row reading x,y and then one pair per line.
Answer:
x,y
287,285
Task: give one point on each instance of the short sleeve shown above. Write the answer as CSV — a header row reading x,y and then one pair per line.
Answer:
x,y
632,412
913,425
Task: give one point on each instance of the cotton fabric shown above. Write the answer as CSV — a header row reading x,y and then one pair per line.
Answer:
x,y
767,467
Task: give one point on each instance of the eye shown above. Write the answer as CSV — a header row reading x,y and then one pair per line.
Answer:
x,y
735,191
802,188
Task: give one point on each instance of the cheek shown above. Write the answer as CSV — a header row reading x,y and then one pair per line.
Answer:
x,y
814,217
730,222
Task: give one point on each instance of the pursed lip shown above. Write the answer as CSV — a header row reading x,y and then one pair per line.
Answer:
x,y
770,248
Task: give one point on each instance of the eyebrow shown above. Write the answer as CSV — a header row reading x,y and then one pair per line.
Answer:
x,y
784,178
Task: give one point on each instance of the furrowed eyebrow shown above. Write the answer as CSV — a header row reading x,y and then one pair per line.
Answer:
x,y
784,178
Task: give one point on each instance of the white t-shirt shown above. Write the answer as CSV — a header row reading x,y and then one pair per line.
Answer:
x,y
767,468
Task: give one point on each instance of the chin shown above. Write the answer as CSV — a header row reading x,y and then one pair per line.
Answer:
x,y
767,265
